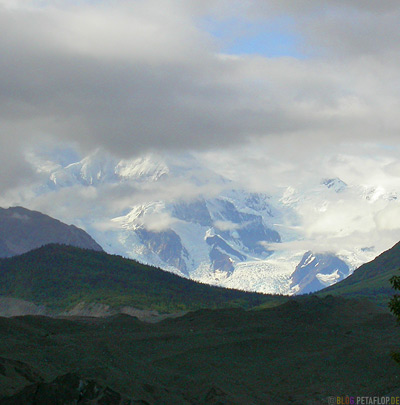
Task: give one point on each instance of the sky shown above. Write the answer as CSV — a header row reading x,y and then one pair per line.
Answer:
x,y
276,89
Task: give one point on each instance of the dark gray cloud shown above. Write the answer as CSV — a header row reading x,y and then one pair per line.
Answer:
x,y
135,76
13,164
337,28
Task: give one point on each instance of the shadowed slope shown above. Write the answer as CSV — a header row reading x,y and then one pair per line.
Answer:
x,y
22,230
300,352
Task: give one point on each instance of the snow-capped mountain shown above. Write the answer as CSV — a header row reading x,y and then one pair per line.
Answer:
x,y
203,234
317,271
172,212
214,232
335,184
100,168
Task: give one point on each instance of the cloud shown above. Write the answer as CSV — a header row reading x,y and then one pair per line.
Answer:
x,y
359,247
100,186
130,77
138,76
341,28
389,218
307,214
157,222
15,170
227,225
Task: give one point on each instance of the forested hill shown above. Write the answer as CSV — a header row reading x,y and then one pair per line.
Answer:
x,y
60,277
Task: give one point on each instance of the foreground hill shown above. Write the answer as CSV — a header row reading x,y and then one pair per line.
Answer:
x,y
371,280
297,353
60,277
22,230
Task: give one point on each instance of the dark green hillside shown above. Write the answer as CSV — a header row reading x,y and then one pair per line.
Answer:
x,y
299,353
371,280
60,276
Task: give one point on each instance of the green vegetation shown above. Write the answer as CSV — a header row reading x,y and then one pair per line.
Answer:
x,y
61,276
394,305
298,353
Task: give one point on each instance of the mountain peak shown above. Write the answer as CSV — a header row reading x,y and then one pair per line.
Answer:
x,y
335,184
22,230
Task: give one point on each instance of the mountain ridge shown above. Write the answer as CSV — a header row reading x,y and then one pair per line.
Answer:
x,y
61,277
22,230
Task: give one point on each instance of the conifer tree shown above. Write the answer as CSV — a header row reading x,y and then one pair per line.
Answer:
x,y
394,306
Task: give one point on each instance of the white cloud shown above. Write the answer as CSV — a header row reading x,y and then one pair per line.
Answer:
x,y
389,218
157,221
226,225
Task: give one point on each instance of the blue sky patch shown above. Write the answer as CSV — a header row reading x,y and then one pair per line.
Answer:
x,y
238,37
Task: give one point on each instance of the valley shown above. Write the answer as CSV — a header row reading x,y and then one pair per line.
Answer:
x,y
199,202
301,352
83,325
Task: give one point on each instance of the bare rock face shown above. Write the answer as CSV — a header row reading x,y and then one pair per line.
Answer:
x,y
22,230
16,307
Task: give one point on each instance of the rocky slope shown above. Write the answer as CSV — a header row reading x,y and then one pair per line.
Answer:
x,y
316,271
22,230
